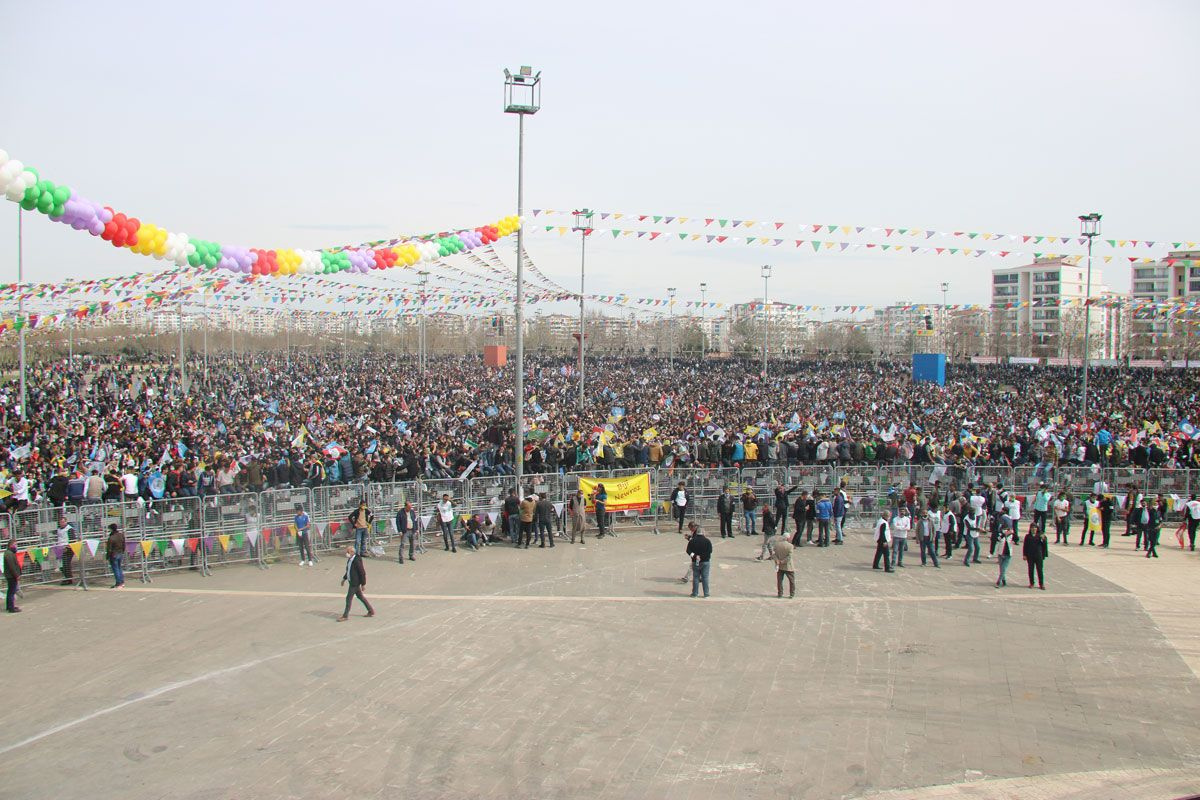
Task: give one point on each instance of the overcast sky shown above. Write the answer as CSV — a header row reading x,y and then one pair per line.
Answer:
x,y
309,124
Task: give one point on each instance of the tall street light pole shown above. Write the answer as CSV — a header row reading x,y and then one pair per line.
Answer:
x,y
21,304
942,323
703,320
1090,227
766,274
583,224
183,378
671,327
421,333
522,96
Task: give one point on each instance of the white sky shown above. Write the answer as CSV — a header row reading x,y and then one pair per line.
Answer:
x,y
311,124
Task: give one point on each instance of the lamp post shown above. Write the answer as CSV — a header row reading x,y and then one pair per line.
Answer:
x,y
703,320
942,323
671,327
522,96
1090,227
583,224
184,385
21,304
421,333
766,274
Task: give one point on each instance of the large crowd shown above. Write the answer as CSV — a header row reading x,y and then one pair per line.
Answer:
x,y
100,428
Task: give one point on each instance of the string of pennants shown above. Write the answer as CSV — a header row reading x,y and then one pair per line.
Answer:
x,y
898,231
820,245
188,545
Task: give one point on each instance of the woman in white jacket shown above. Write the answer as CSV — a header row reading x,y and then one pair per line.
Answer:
x,y
1005,547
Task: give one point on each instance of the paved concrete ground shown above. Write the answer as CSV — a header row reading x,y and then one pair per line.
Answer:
x,y
586,672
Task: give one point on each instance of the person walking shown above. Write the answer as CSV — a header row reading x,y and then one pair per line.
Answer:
x,y
445,511
303,541
406,527
974,521
356,576
725,512
577,512
700,549
781,552
925,538
1150,523
1006,544
883,541
679,501
115,549
12,577
360,520
1191,511
1035,550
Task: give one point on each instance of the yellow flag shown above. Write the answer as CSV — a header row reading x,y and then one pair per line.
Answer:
x,y
224,540
75,547
147,547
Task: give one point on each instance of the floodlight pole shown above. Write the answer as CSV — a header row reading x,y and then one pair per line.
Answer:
x,y
525,80
671,328
766,274
21,305
703,321
583,224
1090,227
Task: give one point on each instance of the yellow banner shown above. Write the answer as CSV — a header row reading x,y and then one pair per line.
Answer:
x,y
624,494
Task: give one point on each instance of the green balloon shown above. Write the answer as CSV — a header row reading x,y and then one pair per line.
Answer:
x,y
45,203
61,195
28,203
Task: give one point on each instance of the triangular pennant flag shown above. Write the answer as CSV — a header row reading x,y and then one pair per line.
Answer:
x,y
147,547
558,507
238,539
425,521
192,543
75,547
20,559
492,516
36,554
252,535
223,540
92,546
179,545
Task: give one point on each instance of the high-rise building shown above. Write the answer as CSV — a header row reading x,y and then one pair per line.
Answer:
x,y
1037,310
1153,332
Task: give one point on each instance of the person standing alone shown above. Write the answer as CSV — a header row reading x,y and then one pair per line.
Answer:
x,y
12,576
700,549
679,501
883,541
781,552
1035,549
356,575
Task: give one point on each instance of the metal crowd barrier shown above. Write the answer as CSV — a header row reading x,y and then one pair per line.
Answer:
x,y
193,533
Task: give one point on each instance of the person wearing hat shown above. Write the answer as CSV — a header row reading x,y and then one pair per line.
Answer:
x,y
115,547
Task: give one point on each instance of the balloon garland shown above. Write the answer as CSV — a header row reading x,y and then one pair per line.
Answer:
x,y
24,185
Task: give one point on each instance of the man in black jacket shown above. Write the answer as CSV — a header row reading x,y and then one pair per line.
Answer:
x,y
545,521
700,549
1035,549
725,512
1150,521
12,576
356,574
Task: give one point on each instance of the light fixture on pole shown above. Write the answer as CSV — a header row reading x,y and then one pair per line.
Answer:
x,y
421,334
1089,225
583,224
671,327
522,96
942,322
766,274
21,304
703,329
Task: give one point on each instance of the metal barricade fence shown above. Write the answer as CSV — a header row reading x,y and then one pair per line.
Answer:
x,y
1167,482
171,526
34,531
331,510
232,525
279,508
864,492
94,519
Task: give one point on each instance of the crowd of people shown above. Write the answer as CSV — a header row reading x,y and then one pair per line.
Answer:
x,y
109,429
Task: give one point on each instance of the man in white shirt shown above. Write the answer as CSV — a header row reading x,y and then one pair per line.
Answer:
x,y
129,486
900,529
973,521
1062,518
883,540
1192,511
18,484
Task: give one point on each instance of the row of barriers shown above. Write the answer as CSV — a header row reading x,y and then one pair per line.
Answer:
x,y
194,533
